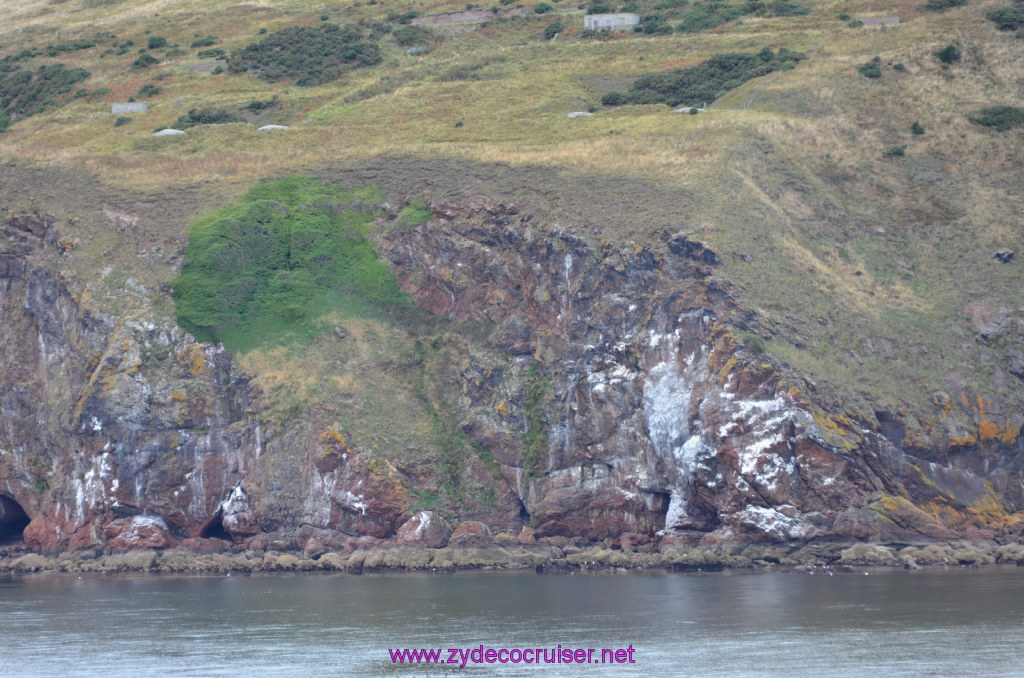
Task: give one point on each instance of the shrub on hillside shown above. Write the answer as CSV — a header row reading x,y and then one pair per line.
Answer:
x,y
1000,118
706,15
145,61
72,46
654,24
787,8
204,42
258,105
156,42
310,55
206,116
24,92
704,82
409,36
948,54
870,70
148,90
552,29
1007,18
943,5
542,8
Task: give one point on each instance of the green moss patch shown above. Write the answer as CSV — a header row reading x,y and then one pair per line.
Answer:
x,y
291,251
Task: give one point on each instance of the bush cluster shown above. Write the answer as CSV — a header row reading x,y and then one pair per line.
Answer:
x,y
948,54
73,46
145,61
206,116
705,82
258,105
871,69
943,5
148,90
707,15
410,36
25,92
1008,18
310,55
1000,118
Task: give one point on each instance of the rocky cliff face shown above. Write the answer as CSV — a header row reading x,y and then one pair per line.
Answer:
x,y
625,411
113,429
656,422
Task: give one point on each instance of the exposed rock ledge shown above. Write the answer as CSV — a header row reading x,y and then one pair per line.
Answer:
x,y
538,557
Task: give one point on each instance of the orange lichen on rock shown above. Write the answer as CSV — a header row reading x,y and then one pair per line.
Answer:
x,y
986,511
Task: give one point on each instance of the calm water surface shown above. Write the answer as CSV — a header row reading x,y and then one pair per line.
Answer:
x,y
933,623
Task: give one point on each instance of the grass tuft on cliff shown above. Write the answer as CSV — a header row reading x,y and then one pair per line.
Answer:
x,y
292,250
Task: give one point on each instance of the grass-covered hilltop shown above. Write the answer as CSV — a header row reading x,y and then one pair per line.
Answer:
x,y
398,261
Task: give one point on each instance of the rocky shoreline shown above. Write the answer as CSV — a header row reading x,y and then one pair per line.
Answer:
x,y
837,557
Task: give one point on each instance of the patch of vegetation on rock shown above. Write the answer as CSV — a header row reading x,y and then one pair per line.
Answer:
x,y
309,55
267,268
416,212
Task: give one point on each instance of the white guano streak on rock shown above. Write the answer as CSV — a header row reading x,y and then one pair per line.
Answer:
x,y
666,403
318,501
772,523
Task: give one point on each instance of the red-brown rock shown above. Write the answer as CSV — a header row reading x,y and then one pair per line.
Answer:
x,y
471,533
138,532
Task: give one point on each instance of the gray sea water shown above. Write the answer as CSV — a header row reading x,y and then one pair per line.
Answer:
x,y
931,623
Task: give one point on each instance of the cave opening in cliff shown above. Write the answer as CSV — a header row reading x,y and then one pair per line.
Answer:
x,y
13,519
215,529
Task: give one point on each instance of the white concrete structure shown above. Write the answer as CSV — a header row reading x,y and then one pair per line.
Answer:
x,y
129,107
610,22
880,20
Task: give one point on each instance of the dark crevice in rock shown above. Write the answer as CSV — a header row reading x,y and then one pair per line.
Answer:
x,y
215,529
13,519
